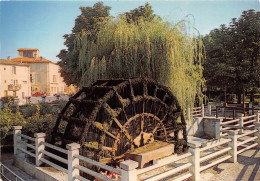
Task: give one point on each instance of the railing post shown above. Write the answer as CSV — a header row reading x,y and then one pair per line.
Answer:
x,y
241,122
223,108
250,108
17,131
233,144
218,128
195,160
39,138
202,110
257,116
257,127
189,115
216,111
73,149
209,109
128,169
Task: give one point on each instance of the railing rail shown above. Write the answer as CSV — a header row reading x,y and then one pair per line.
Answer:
x,y
239,140
55,147
2,174
93,162
164,161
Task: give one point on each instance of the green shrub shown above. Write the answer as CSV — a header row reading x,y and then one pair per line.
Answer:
x,y
34,118
9,100
8,119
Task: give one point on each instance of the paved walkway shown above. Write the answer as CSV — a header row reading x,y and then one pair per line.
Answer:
x,y
7,160
246,169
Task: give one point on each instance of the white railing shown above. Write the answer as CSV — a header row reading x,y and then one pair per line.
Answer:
x,y
4,169
195,161
166,161
223,128
196,112
38,149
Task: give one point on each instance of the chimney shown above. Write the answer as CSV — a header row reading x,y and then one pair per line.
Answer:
x,y
41,58
8,57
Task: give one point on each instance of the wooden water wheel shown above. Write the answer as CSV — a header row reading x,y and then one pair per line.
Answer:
x,y
111,117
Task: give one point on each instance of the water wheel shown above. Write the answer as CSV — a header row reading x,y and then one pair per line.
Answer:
x,y
111,117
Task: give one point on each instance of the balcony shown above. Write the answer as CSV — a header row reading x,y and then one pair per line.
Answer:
x,y
12,87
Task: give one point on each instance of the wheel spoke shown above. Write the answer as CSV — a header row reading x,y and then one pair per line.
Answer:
x,y
142,123
158,124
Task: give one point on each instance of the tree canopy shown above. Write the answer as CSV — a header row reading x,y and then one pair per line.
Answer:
x,y
139,43
233,60
88,23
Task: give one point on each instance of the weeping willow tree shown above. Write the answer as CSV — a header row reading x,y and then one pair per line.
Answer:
x,y
155,49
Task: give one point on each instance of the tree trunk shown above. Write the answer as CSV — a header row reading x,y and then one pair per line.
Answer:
x,y
239,97
252,96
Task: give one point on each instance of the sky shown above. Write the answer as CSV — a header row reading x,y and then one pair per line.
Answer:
x,y
42,24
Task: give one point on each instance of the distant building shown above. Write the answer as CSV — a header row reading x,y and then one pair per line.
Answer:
x,y
14,79
45,76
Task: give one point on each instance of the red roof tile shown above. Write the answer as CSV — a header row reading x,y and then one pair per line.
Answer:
x,y
27,49
8,62
31,60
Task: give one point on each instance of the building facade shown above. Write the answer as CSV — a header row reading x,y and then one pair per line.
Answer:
x,y
14,79
45,76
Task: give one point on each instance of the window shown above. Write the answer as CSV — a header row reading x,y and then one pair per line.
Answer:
x,y
15,82
38,66
4,68
23,95
13,69
51,89
57,89
38,77
54,79
5,93
14,93
31,78
28,54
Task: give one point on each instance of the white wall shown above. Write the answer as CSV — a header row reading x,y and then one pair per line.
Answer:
x,y
20,77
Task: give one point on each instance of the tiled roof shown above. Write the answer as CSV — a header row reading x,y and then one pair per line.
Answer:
x,y
8,62
31,60
27,49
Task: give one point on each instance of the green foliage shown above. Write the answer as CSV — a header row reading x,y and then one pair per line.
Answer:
x,y
88,22
136,43
33,117
39,122
158,50
8,119
142,12
233,54
9,100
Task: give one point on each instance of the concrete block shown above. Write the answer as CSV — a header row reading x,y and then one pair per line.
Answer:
x,y
150,152
128,165
73,146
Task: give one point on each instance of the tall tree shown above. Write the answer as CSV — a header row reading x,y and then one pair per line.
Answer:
x,y
158,50
144,12
233,55
88,23
136,43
